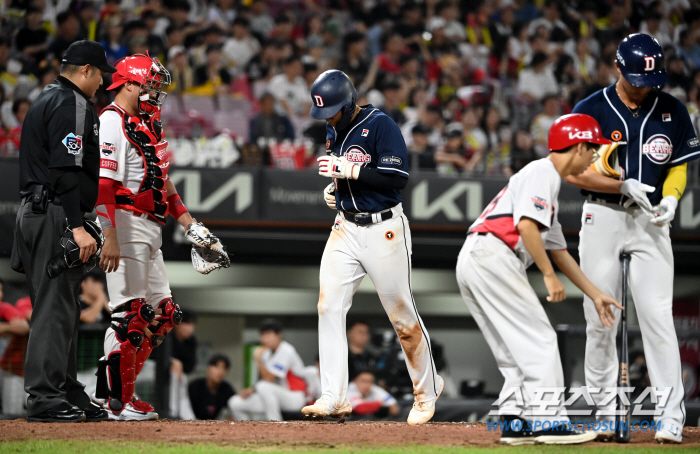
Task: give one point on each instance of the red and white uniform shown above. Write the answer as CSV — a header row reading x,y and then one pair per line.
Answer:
x,y
141,272
270,399
491,272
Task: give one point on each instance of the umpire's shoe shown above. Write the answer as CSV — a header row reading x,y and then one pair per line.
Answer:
x,y
94,413
63,412
423,412
515,431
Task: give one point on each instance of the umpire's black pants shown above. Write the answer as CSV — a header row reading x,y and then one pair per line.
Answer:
x,y
50,368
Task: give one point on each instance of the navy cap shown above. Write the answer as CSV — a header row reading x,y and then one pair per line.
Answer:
x,y
641,61
88,52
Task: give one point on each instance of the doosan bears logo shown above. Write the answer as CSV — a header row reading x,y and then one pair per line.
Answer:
x,y
658,148
358,155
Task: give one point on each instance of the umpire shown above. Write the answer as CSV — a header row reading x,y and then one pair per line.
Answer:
x,y
59,174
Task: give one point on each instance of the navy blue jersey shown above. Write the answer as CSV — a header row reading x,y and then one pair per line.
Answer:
x,y
661,137
373,141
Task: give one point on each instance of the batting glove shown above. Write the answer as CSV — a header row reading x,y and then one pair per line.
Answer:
x,y
637,192
329,196
335,167
665,211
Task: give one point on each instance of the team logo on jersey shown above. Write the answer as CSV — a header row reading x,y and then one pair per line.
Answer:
x,y
393,160
365,132
107,148
692,143
616,136
658,149
666,117
328,144
319,101
588,219
389,235
357,154
540,203
581,135
73,143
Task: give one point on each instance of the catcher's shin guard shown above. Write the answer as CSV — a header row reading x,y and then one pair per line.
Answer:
x,y
168,314
121,364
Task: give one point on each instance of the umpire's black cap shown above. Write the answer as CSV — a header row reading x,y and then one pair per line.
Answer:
x,y
88,52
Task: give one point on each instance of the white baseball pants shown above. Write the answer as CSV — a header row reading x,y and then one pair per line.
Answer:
x,y
493,283
141,272
268,400
382,251
606,232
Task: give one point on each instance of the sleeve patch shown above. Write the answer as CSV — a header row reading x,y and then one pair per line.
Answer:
x,y
73,143
107,148
109,164
692,143
392,160
540,203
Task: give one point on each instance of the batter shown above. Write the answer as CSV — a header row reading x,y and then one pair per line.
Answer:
x,y
368,162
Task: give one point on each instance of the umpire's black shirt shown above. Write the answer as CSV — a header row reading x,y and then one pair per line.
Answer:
x,y
59,148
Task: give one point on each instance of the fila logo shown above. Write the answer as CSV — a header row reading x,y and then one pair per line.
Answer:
x,y
580,135
365,132
319,101
650,63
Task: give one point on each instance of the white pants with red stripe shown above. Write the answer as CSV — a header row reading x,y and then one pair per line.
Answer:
x,y
269,401
382,251
493,283
609,231
141,272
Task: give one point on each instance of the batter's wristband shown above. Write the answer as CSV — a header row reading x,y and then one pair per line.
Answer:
x,y
176,207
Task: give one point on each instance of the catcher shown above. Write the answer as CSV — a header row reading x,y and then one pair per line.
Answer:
x,y
135,197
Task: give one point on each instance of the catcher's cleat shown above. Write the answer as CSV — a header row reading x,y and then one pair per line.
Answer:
x,y
669,433
136,410
422,412
325,407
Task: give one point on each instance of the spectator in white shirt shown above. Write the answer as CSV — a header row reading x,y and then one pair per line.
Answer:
x,y
537,81
241,47
290,89
280,387
367,398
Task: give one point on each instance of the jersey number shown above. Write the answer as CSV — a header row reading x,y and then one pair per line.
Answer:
x,y
493,204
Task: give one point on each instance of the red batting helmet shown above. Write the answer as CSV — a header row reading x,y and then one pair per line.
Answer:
x,y
149,73
572,129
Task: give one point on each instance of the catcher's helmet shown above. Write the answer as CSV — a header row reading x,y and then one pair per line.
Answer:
x,y
641,61
572,129
332,92
149,73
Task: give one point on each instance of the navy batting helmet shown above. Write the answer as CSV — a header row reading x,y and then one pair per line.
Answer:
x,y
331,93
641,61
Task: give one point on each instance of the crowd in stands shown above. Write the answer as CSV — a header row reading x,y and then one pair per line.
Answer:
x,y
474,85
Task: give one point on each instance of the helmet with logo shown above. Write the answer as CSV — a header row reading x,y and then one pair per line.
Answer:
x,y
149,73
331,93
572,129
641,61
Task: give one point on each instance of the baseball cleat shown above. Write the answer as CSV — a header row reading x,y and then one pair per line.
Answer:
x,y
136,410
422,412
668,433
325,407
604,435
563,435
102,403
516,434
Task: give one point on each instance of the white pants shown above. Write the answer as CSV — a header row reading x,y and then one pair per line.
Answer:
x,y
614,230
383,251
268,400
141,272
493,283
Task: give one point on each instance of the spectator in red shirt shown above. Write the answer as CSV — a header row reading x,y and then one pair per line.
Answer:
x,y
15,325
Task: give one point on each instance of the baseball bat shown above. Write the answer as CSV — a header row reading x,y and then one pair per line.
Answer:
x,y
622,418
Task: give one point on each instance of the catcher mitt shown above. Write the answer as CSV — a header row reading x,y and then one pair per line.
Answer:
x,y
608,162
208,254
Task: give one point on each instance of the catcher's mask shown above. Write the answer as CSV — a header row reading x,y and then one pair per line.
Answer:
x,y
69,257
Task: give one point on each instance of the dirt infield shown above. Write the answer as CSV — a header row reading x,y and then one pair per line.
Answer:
x,y
289,434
